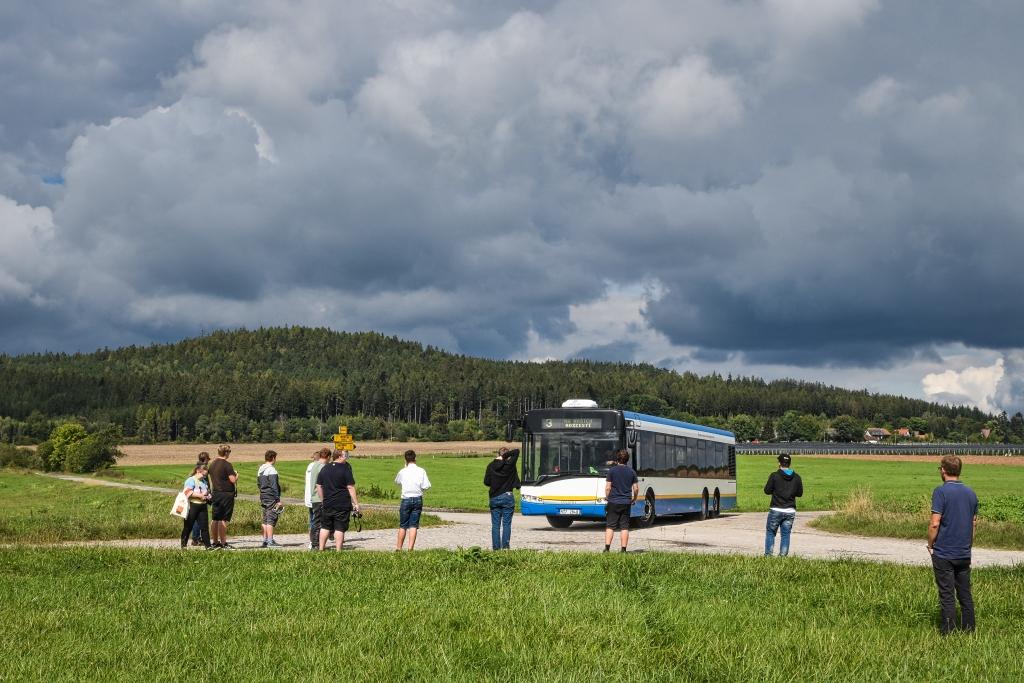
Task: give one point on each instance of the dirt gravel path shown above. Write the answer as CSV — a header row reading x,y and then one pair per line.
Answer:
x,y
736,533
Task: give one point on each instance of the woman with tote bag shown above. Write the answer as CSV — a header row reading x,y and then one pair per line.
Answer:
x,y
198,491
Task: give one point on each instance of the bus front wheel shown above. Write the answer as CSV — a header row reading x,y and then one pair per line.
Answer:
x,y
559,522
649,512
716,509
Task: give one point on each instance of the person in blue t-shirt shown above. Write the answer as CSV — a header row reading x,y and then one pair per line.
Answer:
x,y
620,490
950,536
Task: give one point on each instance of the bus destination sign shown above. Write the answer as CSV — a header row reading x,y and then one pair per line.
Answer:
x,y
572,423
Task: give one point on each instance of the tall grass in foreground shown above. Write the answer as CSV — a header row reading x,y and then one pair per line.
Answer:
x,y
1000,519
39,509
120,615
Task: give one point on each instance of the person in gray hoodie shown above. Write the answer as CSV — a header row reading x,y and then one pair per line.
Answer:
x,y
784,486
270,498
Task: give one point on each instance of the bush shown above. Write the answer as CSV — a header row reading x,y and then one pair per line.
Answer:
x,y
73,449
12,456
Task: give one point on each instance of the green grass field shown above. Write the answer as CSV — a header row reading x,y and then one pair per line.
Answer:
x,y
39,509
458,482
129,615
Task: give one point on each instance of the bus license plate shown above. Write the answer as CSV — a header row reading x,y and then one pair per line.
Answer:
x,y
568,511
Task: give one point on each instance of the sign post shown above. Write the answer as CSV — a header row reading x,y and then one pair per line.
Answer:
x,y
343,440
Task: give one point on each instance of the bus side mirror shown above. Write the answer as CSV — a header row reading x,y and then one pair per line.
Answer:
x,y
510,429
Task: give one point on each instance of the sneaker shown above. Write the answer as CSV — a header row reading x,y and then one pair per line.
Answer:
x,y
272,544
309,545
212,547
195,541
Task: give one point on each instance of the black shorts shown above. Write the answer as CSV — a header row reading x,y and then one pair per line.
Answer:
x,y
223,506
334,520
617,516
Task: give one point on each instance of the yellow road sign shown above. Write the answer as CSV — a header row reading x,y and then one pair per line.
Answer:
x,y
343,440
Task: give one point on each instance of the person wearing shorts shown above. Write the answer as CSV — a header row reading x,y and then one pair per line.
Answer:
x,y
414,481
336,485
269,485
312,498
620,490
222,481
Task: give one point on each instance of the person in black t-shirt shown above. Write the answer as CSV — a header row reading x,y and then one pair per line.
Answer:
x,y
336,486
620,490
500,478
222,485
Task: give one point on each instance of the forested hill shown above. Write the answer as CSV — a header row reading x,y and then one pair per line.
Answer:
x,y
251,381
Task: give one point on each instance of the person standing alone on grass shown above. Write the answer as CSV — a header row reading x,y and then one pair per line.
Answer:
x,y
202,459
222,481
312,498
620,490
414,481
501,477
198,492
270,497
784,486
336,485
950,537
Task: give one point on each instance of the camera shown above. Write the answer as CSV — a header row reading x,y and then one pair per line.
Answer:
x,y
357,514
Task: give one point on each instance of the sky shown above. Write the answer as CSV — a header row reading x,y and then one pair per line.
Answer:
x,y
829,191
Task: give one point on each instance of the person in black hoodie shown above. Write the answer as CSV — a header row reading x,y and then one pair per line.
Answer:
x,y
784,486
500,478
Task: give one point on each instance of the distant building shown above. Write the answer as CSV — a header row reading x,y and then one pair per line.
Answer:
x,y
876,434
986,432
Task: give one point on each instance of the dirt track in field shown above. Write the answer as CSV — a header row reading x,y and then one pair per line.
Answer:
x,y
175,454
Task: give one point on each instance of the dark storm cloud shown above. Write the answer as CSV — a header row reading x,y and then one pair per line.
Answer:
x,y
827,184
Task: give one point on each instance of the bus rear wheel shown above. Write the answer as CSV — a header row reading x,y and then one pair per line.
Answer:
x,y
647,519
716,509
559,522
704,512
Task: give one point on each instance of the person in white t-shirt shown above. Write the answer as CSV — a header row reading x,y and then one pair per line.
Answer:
x,y
414,481
312,498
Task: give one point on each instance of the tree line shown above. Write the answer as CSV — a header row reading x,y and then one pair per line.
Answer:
x,y
299,383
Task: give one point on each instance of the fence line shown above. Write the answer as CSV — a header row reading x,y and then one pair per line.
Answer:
x,y
881,449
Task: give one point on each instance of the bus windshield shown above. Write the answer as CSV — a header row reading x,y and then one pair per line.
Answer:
x,y
555,454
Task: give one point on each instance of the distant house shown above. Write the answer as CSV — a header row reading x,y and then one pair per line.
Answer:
x,y
903,432
876,434
986,432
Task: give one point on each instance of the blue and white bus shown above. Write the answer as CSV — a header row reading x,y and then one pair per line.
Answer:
x,y
566,453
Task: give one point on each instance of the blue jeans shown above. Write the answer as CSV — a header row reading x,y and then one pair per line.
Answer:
x,y
777,520
502,507
409,513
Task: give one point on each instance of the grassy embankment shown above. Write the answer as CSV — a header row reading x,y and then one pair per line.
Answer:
x,y
133,615
38,509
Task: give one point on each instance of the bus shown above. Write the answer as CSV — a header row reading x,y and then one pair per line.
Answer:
x,y
567,452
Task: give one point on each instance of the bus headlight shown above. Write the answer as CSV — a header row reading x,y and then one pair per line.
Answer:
x,y
529,499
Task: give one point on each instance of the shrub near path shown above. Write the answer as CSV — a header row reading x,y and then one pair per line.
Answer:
x,y
124,615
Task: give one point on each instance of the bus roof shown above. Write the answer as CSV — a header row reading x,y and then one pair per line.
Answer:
x,y
629,415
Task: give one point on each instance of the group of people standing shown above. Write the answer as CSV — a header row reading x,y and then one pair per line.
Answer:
x,y
331,499
211,485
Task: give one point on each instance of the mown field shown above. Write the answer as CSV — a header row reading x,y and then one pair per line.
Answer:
x,y
38,509
871,497
458,481
129,615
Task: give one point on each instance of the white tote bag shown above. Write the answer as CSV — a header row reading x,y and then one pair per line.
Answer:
x,y
180,507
